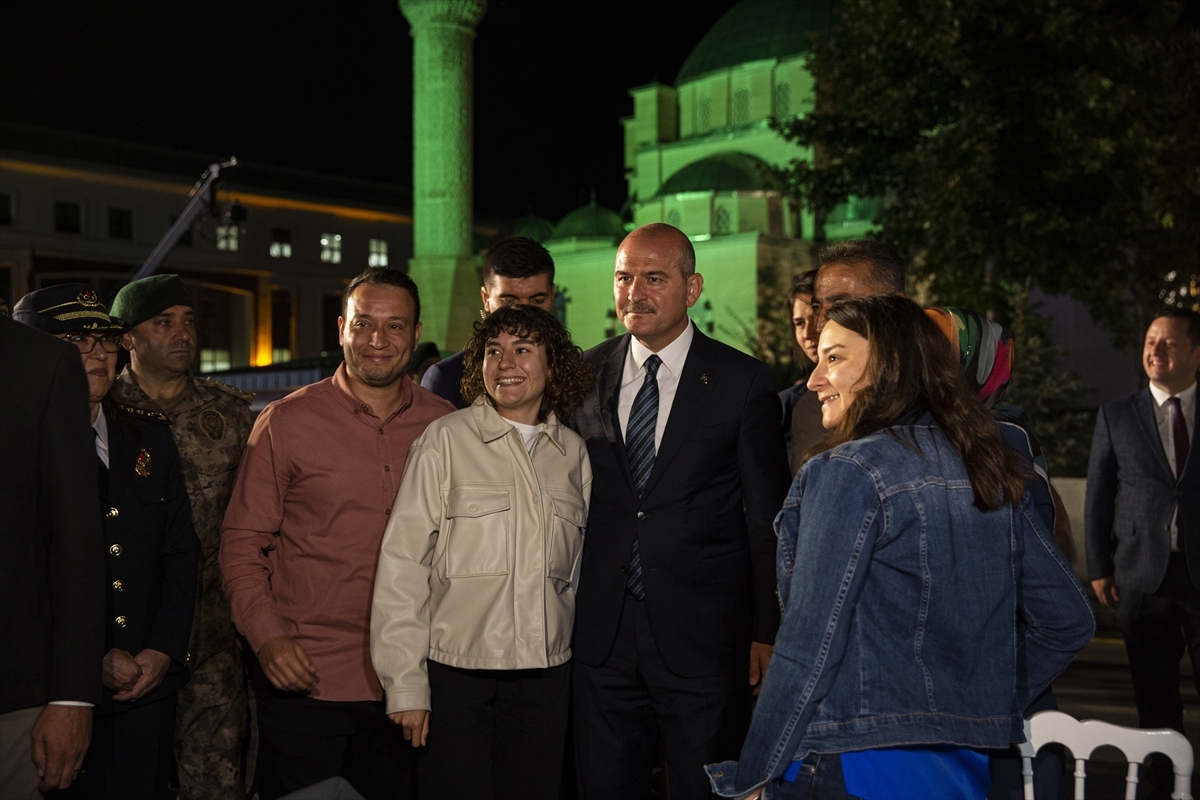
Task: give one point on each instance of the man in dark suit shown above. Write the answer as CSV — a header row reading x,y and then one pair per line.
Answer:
x,y
52,569
1142,517
151,557
676,608
516,270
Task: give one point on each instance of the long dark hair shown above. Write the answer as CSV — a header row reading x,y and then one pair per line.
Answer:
x,y
570,376
911,369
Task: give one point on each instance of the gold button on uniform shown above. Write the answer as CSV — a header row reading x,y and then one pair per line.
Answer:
x,y
112,512
115,549
118,586
120,621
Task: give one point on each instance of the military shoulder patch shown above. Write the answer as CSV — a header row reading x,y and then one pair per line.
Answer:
x,y
157,416
212,422
209,383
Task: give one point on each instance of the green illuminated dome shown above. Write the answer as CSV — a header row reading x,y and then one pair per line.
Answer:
x,y
530,225
757,29
724,172
590,222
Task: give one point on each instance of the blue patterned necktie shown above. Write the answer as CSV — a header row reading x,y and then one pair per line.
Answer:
x,y
639,446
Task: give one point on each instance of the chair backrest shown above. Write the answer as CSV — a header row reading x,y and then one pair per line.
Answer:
x,y
1084,737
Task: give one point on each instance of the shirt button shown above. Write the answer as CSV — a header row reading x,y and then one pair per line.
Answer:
x,y
356,411
537,565
641,515
120,621
386,468
118,586
112,512
115,549
388,510
537,634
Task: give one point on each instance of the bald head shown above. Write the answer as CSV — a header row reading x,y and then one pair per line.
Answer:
x,y
668,241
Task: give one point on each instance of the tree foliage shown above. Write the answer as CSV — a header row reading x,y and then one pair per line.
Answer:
x,y
1048,141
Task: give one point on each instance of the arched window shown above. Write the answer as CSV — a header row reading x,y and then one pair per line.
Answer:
x,y
741,106
674,219
724,220
783,100
705,115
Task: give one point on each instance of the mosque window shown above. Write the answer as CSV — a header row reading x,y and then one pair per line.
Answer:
x,y
120,223
377,253
674,219
281,243
783,100
705,115
331,248
741,106
227,237
6,209
67,217
724,220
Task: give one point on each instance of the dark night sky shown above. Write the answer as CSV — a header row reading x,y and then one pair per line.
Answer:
x,y
327,86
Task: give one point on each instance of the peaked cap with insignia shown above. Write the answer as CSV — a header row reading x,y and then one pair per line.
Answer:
x,y
66,308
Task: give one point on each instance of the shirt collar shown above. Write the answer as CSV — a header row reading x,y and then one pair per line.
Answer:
x,y
353,403
492,426
101,426
673,355
1161,397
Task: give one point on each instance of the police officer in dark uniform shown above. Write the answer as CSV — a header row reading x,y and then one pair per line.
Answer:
x,y
151,560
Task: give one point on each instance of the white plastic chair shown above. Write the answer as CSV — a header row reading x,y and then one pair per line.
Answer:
x,y
1084,737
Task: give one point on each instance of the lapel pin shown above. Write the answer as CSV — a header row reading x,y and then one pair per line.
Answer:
x,y
704,379
142,466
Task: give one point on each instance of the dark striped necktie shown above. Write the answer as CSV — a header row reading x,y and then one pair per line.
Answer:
x,y
639,446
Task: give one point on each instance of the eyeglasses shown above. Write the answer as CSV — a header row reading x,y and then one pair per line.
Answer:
x,y
86,342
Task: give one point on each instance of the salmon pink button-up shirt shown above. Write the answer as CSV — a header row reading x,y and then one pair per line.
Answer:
x,y
303,529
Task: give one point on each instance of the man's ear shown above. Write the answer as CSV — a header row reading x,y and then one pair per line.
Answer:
x,y
341,328
127,341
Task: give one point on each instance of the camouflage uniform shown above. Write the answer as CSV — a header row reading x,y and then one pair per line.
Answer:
x,y
211,422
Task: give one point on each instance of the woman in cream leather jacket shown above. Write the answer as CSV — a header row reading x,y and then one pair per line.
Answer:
x,y
474,601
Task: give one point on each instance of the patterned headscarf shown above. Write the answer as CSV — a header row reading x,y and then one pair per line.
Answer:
x,y
985,350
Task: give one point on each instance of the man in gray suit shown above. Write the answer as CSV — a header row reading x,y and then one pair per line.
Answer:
x,y
1142,518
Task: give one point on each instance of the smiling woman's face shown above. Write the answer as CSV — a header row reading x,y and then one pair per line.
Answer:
x,y
840,373
515,372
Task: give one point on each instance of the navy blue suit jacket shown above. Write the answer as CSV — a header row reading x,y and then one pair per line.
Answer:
x,y
1132,495
445,379
705,523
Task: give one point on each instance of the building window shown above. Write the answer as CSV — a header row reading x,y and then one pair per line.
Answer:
x,y
120,223
331,248
783,100
378,254
6,209
66,217
281,243
741,106
673,218
227,238
281,326
705,121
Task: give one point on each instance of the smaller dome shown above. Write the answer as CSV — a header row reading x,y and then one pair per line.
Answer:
x,y
592,221
724,172
530,225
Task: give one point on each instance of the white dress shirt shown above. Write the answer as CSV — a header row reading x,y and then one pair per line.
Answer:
x,y
633,376
1162,418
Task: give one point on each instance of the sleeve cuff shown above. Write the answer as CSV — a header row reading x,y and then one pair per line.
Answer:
x,y
70,703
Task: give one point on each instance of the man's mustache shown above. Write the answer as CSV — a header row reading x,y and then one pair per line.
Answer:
x,y
638,308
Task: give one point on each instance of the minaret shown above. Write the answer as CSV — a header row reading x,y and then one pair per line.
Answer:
x,y
443,266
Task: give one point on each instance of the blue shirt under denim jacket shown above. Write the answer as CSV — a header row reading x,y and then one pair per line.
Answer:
x,y
900,603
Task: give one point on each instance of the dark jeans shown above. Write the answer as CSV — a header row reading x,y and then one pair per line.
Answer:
x,y
302,741
1158,628
495,733
701,720
820,779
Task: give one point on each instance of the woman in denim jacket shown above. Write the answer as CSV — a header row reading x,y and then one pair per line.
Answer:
x,y
907,550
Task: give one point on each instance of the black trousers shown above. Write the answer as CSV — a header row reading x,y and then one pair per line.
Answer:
x,y
1158,628
495,734
620,704
130,754
302,741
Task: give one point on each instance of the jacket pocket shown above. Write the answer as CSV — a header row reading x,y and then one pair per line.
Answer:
x,y
477,543
566,535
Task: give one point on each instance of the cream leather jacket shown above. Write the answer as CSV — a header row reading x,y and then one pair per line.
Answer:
x,y
479,554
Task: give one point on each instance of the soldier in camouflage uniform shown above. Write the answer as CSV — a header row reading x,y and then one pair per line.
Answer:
x,y
211,422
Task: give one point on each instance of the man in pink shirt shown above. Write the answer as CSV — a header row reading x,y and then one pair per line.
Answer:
x,y
301,539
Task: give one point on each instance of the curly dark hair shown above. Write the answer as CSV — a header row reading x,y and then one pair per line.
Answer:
x,y
570,376
910,369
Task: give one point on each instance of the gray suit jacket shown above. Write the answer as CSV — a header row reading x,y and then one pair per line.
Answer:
x,y
1132,495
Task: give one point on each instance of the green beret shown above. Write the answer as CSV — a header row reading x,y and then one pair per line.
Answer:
x,y
141,300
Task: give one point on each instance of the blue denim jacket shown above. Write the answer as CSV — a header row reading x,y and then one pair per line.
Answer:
x,y
900,603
